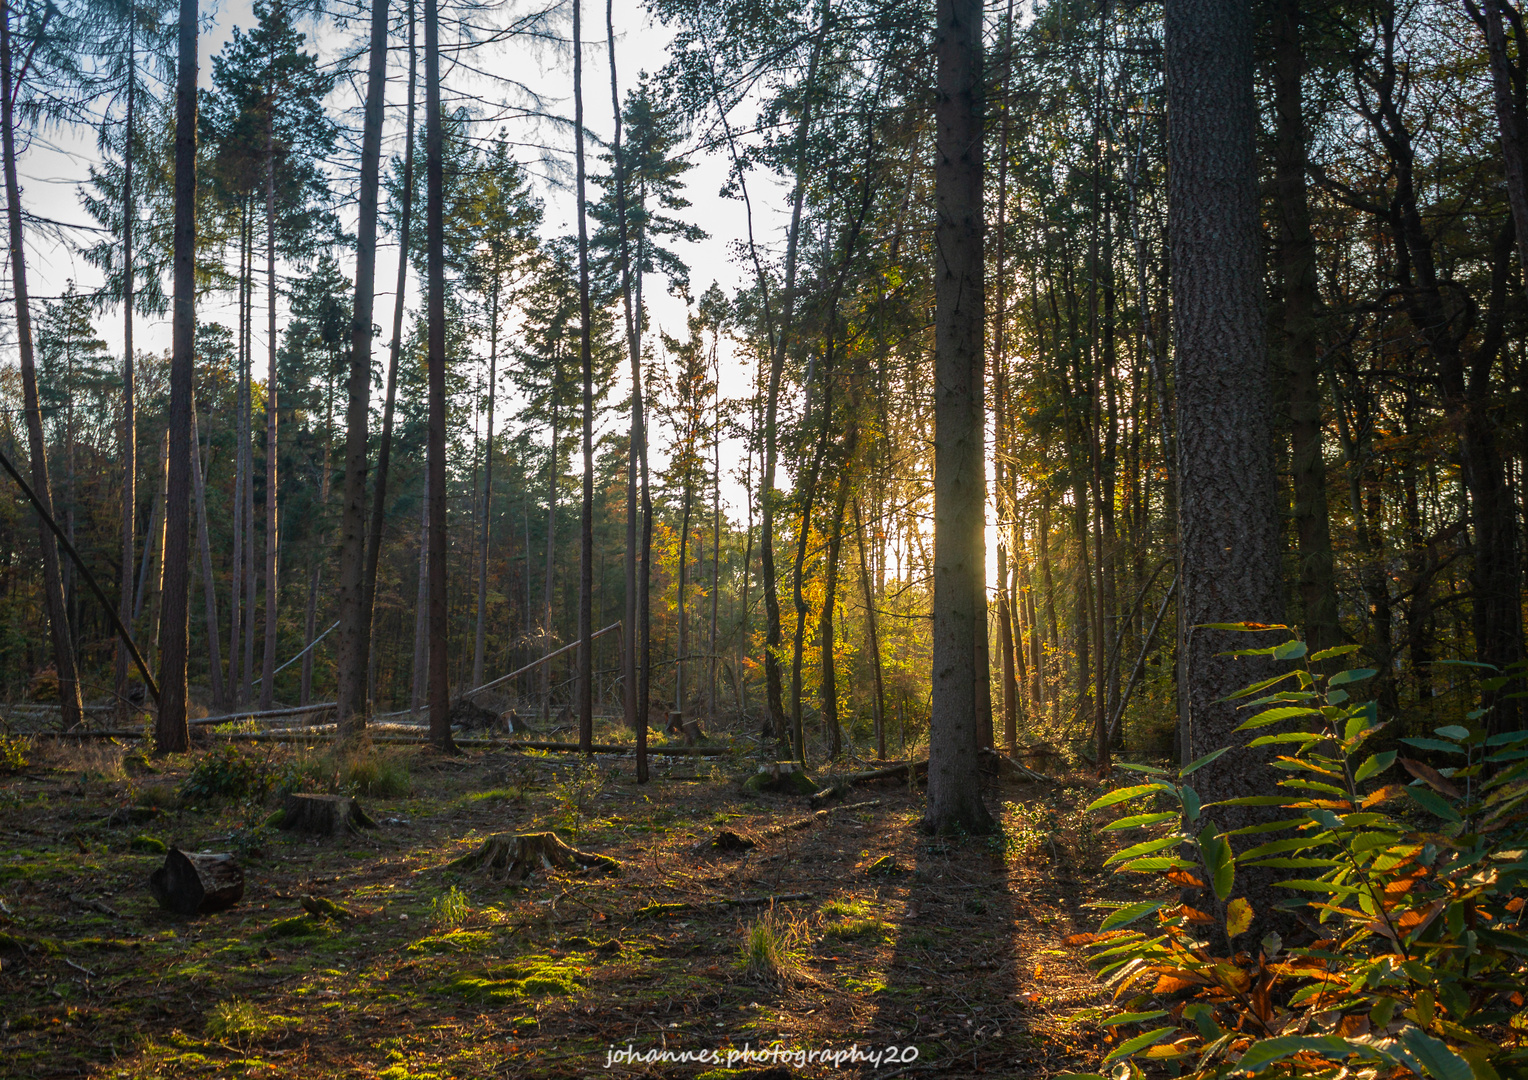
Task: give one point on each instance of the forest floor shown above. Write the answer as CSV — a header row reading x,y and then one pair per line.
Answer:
x,y
948,959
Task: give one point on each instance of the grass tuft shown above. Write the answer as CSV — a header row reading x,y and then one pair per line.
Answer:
x,y
450,909
771,949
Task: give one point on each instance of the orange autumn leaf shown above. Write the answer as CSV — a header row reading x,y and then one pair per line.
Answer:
x,y
1184,880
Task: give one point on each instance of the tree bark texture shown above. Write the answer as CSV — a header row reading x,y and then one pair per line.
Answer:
x,y
170,732
954,794
1228,529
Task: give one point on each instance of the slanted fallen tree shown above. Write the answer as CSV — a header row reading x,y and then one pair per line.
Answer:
x,y
518,855
727,840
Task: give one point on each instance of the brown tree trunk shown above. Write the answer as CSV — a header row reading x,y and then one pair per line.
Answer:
x,y
272,530
954,794
873,642
385,449
1302,351
1509,119
129,394
354,651
316,569
53,586
634,661
828,686
585,684
170,732
480,639
209,582
767,497
1227,523
440,691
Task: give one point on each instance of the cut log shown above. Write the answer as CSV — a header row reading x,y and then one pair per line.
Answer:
x,y
518,855
323,815
197,883
692,733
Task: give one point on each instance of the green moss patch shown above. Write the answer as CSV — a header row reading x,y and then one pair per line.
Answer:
x,y
454,941
300,926
534,976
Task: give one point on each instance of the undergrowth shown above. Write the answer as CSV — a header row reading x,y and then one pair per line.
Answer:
x,y
1416,960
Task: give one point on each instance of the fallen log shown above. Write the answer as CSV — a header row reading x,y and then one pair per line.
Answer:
x,y
323,815
652,911
727,840
197,883
518,855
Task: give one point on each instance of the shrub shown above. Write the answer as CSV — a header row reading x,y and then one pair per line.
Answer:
x,y
1413,890
230,772
14,753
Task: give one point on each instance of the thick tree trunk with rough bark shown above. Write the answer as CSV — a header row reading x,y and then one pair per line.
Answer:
x,y
586,358
170,732
354,651
954,793
1228,528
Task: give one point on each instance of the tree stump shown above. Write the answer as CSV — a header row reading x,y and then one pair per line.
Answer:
x,y
197,883
518,855
323,815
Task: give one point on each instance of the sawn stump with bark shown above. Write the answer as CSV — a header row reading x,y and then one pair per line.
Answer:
x,y
323,815
518,855
197,883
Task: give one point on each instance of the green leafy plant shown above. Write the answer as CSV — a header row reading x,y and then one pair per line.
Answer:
x,y
14,753
450,909
1416,960
229,772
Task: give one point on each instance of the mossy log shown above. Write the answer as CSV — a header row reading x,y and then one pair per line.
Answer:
x,y
781,777
518,855
323,815
197,883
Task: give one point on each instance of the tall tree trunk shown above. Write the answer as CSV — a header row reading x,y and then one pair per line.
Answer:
x,y
241,471
828,684
170,732
316,570
251,574
421,681
954,794
551,549
480,639
385,450
435,213
354,650
634,661
1509,119
716,535
272,532
871,637
586,358
209,582
767,497
1227,525
129,396
53,586
1302,355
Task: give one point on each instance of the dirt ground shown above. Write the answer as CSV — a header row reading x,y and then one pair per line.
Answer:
x,y
932,957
